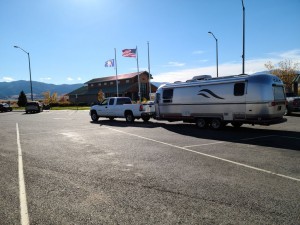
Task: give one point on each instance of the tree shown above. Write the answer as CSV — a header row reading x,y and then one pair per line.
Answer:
x,y
286,71
100,95
22,100
48,99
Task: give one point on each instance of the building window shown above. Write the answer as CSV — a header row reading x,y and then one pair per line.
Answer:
x,y
105,83
92,85
99,84
111,83
127,81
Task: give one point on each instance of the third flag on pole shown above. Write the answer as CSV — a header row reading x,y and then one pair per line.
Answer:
x,y
110,63
129,53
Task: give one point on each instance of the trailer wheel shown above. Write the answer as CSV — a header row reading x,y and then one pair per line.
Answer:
x,y
201,123
129,117
236,124
111,118
216,124
94,116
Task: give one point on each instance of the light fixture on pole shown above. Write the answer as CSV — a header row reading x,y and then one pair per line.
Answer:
x,y
29,69
216,52
243,56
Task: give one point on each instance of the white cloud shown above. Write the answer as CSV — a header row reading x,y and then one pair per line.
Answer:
x,y
70,79
45,79
198,52
79,78
226,69
175,64
7,79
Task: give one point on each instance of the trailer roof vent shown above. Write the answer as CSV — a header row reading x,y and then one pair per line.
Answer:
x,y
202,77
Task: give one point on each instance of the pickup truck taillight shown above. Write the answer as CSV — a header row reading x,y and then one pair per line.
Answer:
x,y
141,108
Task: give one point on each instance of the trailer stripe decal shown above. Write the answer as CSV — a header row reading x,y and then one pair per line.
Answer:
x,y
210,92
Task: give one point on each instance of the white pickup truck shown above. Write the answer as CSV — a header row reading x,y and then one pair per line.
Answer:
x,y
120,107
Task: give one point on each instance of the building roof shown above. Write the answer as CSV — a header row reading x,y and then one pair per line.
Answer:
x,y
112,78
85,91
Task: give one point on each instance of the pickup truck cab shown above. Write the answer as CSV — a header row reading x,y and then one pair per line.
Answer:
x,y
120,107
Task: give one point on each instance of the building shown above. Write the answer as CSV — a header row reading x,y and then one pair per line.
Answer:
x,y
127,87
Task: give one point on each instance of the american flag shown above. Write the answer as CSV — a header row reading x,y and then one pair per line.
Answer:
x,y
129,52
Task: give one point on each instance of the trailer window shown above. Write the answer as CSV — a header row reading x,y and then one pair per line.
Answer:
x,y
167,95
239,89
278,93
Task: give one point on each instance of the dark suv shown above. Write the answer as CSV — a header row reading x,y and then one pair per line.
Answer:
x,y
4,107
33,107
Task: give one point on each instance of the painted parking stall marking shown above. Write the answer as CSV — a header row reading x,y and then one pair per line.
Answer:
x,y
22,189
211,156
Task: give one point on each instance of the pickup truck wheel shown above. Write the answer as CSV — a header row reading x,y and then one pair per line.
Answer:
x,y
201,123
129,117
146,118
94,116
216,124
236,124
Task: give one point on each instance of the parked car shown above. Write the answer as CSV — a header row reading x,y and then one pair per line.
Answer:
x,y
293,103
4,107
33,107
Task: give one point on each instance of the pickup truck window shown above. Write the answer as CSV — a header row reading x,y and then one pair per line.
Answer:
x,y
104,102
122,101
111,101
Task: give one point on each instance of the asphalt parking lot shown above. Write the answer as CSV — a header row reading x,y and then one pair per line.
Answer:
x,y
57,167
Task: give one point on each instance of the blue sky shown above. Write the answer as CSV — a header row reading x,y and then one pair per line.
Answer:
x,y
70,40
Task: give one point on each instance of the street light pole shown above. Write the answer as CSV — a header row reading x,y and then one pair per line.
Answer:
x,y
217,60
243,56
29,69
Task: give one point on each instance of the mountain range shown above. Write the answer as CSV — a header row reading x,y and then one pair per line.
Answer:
x,y
11,90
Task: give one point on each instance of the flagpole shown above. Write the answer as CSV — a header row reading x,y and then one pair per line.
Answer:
x,y
137,65
116,68
149,72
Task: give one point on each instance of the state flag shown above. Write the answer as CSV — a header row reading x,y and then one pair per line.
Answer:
x,y
110,63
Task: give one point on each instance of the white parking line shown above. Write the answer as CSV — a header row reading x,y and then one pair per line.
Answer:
x,y
207,155
22,190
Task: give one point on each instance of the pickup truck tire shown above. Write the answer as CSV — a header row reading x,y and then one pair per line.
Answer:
x,y
94,116
236,124
129,117
145,118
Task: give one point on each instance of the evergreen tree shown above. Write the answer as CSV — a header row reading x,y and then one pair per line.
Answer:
x,y
22,100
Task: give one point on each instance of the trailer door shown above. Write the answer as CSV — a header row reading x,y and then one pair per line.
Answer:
x,y
239,92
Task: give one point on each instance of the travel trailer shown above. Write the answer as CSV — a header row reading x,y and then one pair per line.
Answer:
x,y
241,99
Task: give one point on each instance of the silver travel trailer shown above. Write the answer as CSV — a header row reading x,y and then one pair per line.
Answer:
x,y
241,99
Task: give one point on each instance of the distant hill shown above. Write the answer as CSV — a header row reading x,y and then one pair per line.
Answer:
x,y
11,90
157,84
